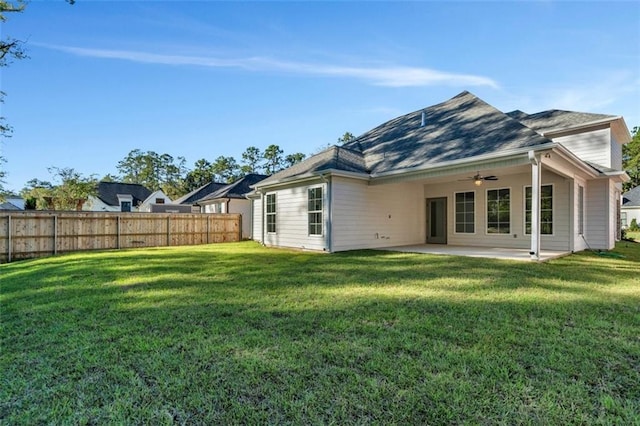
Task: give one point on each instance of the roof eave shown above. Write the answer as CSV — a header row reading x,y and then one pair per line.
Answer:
x,y
478,159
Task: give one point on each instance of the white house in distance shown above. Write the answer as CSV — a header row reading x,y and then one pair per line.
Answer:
x,y
129,197
630,207
461,173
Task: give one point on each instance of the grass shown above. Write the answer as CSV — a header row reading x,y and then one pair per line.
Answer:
x,y
236,333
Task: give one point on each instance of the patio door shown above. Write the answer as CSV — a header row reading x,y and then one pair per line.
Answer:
x,y
437,220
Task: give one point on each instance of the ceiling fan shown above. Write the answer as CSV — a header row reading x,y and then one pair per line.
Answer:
x,y
478,178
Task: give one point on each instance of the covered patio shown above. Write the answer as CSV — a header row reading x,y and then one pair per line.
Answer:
x,y
487,252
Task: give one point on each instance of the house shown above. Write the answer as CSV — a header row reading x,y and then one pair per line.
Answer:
x,y
226,198
460,173
125,197
12,203
630,207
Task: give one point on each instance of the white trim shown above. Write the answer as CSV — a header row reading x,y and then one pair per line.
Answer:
x,y
475,210
321,211
275,213
553,209
486,211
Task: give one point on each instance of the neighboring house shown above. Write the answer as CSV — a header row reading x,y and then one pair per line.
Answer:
x,y
226,198
460,172
630,207
125,197
12,203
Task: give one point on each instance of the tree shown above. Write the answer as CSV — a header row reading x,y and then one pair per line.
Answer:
x,y
631,159
10,49
273,159
201,175
38,194
346,138
225,169
251,158
154,171
73,190
292,159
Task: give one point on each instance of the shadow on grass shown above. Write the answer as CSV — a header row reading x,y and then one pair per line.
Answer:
x,y
244,334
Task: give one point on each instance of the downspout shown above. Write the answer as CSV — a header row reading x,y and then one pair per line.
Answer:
x,y
327,179
535,206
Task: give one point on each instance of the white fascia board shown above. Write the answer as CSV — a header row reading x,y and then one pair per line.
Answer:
x,y
286,181
575,161
310,177
343,173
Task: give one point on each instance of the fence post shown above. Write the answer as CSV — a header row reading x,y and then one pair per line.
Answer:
x,y
55,234
168,231
208,227
239,227
118,233
9,241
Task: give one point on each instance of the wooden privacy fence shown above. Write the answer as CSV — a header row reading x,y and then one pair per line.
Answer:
x,y
36,233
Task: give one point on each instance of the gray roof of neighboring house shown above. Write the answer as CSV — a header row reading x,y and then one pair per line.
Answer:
x,y
556,119
215,190
238,189
631,198
8,206
462,127
108,192
200,193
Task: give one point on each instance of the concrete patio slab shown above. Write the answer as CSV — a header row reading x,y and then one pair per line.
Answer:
x,y
488,252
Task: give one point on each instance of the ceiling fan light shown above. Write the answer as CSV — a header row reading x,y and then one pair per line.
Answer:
x,y
478,182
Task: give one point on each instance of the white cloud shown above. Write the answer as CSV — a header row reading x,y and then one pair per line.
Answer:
x,y
390,76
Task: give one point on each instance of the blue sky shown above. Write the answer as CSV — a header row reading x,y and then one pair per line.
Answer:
x,y
203,79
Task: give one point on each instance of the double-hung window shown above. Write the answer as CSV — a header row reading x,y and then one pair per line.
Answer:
x,y
546,210
499,211
271,213
465,212
315,211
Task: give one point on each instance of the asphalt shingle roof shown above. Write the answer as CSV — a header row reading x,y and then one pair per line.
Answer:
x,y
462,127
556,119
237,189
108,192
631,198
199,193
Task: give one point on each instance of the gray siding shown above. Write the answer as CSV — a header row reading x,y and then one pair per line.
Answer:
x,y
594,146
256,231
376,216
292,228
597,212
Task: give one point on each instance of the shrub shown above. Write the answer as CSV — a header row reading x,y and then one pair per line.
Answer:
x,y
633,226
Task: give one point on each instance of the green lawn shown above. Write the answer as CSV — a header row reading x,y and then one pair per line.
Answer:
x,y
236,333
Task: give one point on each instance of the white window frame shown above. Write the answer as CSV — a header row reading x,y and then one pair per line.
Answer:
x,y
315,212
580,210
455,213
273,214
486,207
553,208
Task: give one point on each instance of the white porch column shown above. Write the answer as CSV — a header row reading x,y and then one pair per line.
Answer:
x,y
535,206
